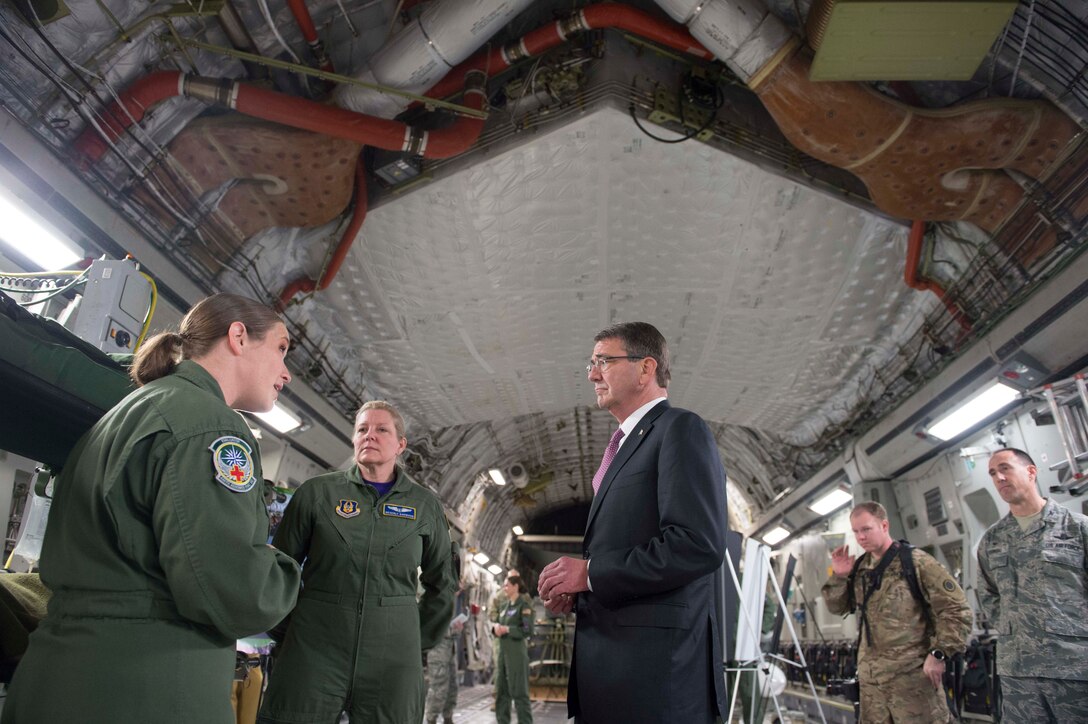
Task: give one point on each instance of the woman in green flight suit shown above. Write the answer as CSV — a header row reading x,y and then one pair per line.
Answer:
x,y
514,628
354,641
155,550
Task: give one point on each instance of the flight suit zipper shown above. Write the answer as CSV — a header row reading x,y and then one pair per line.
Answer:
x,y
359,607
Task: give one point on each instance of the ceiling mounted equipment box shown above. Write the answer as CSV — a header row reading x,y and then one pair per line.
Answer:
x,y
907,39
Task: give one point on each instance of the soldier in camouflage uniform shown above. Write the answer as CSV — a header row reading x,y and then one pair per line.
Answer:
x,y
902,650
441,670
1033,586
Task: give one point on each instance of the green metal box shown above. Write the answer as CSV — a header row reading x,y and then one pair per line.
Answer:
x,y
908,39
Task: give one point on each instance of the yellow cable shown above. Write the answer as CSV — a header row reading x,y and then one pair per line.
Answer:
x,y
150,310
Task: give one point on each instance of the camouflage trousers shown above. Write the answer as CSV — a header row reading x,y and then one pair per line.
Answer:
x,y
1036,700
906,697
441,680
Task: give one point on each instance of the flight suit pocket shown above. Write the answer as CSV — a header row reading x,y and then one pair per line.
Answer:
x,y
1001,572
405,551
404,535
1066,555
1064,580
398,601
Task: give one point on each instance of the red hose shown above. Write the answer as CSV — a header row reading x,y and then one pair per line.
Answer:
x,y
305,284
910,275
135,101
603,15
458,137
289,111
320,118
309,32
302,17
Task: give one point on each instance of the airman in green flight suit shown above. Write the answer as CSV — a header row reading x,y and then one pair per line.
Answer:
x,y
513,629
155,550
354,641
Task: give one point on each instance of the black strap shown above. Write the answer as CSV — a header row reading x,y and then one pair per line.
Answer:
x,y
870,584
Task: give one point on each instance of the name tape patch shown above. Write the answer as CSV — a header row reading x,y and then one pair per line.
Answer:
x,y
232,460
399,511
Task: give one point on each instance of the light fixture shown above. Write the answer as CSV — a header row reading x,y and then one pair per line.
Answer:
x,y
832,501
974,410
497,476
34,240
776,535
481,558
495,569
518,530
279,418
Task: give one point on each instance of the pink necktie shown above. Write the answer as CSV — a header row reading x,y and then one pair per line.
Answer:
x,y
609,454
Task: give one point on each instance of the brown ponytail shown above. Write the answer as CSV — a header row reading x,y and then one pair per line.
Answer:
x,y
203,326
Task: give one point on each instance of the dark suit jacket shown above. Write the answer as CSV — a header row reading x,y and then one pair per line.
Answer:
x,y
647,647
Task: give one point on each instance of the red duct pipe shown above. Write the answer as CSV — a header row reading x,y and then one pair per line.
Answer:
x,y
305,284
132,104
309,33
604,15
910,275
289,111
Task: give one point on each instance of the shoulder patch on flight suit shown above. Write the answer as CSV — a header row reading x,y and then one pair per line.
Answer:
x,y
232,459
399,511
526,611
348,508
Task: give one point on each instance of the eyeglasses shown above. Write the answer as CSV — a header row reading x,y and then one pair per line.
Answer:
x,y
601,362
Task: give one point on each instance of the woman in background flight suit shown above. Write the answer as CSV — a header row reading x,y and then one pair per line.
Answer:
x,y
514,628
155,550
354,641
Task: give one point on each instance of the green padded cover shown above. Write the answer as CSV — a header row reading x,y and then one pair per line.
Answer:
x,y
53,385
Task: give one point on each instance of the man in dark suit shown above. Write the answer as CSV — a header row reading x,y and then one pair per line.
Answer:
x,y
647,647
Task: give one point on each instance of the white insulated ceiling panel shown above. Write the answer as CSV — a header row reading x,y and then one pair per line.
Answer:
x,y
496,278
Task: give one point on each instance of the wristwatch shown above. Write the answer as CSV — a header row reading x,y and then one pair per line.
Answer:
x,y
938,654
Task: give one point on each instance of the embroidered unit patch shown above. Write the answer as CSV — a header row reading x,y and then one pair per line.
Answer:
x,y
232,459
399,511
348,508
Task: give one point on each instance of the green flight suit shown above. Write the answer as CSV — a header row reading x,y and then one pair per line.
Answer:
x,y
156,556
498,602
512,669
356,638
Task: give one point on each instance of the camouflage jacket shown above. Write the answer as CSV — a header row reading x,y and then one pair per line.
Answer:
x,y
498,603
902,635
1033,586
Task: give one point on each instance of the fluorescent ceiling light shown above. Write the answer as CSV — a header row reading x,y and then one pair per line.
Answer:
x,y
33,240
776,535
497,476
973,411
481,558
832,501
280,418
518,530
494,569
